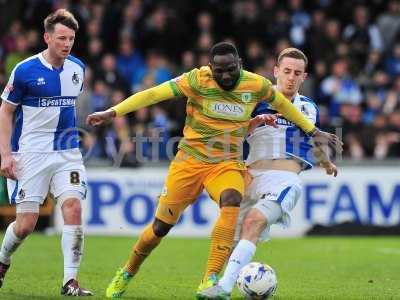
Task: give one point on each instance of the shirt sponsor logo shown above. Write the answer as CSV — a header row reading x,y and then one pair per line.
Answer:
x,y
227,109
50,102
40,81
284,122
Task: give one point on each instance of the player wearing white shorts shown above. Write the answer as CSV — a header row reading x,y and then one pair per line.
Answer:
x,y
42,155
277,155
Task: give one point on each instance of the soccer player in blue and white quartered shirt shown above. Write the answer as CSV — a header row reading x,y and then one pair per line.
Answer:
x,y
277,155
42,155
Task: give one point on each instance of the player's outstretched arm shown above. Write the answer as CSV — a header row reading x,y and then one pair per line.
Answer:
x,y
8,164
141,99
279,102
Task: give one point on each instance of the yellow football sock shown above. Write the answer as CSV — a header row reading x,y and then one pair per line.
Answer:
x,y
143,247
222,240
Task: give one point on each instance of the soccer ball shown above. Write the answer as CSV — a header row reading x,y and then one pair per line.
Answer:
x,y
257,281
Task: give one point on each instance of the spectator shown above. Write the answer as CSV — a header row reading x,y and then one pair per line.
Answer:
x,y
19,54
189,61
95,52
301,21
373,108
254,55
109,74
392,101
99,97
247,24
392,63
130,27
129,60
389,23
393,135
372,65
340,87
120,146
158,129
8,41
156,66
315,34
375,136
352,129
362,35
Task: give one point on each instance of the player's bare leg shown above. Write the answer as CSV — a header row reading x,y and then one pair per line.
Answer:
x,y
16,232
72,246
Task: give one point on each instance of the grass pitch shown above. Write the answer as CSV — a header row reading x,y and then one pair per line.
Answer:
x,y
307,268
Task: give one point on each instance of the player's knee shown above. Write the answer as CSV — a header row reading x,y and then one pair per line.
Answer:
x,y
253,225
72,210
161,228
24,227
230,197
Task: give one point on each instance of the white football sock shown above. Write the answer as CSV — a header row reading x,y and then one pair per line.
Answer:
x,y
241,256
9,245
72,247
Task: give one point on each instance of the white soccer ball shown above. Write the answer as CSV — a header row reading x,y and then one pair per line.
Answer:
x,y
257,281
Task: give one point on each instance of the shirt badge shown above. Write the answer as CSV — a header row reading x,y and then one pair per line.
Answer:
x,y
75,78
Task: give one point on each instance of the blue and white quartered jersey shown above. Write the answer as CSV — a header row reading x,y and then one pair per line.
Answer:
x,y
286,141
45,98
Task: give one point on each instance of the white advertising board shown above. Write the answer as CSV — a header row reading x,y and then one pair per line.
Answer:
x,y
122,202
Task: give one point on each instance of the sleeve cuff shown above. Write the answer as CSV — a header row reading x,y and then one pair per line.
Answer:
x,y
9,101
312,132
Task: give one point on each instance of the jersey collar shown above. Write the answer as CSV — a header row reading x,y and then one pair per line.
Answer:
x,y
47,64
44,62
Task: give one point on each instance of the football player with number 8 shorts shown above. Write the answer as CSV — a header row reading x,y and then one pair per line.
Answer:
x,y
43,155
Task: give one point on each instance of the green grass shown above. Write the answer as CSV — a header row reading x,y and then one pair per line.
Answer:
x,y
307,268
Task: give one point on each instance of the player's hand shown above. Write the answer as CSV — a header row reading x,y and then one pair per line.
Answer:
x,y
100,117
8,167
267,119
321,138
330,168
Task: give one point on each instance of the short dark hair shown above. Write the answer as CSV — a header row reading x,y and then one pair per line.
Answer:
x,y
63,17
293,53
223,48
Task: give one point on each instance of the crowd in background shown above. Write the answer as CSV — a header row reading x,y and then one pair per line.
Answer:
x,y
353,49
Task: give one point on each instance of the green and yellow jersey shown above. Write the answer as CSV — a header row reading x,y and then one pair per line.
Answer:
x,y
217,120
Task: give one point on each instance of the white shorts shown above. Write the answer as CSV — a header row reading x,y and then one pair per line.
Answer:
x,y
274,193
40,173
